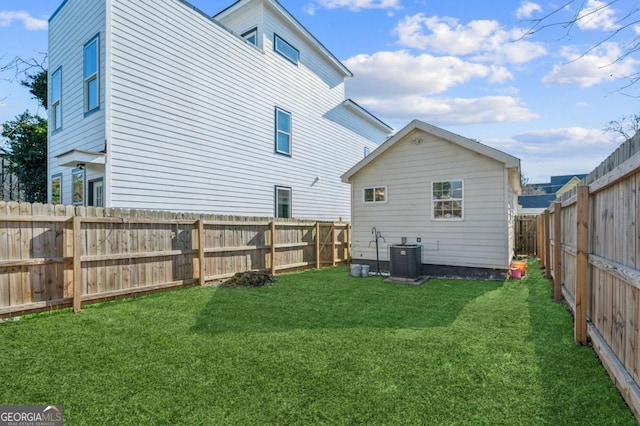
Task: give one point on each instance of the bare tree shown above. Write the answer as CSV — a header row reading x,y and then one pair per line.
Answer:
x,y
623,26
626,126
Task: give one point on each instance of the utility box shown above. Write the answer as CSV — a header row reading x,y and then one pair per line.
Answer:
x,y
405,261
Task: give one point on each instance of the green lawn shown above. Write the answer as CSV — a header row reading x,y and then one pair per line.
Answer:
x,y
317,347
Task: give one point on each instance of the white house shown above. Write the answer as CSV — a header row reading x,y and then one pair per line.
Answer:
x,y
454,197
155,105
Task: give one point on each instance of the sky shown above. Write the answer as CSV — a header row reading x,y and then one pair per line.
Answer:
x,y
467,66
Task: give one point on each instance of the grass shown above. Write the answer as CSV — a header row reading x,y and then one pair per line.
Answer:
x,y
315,348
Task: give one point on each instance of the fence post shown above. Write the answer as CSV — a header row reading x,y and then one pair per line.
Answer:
x,y
77,264
200,225
317,245
347,238
557,250
582,265
333,244
540,239
272,227
547,244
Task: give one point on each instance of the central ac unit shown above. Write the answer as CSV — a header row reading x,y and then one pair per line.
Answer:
x,y
405,261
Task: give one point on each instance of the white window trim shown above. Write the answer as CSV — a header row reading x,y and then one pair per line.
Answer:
x,y
56,103
289,190
278,131
434,201
386,195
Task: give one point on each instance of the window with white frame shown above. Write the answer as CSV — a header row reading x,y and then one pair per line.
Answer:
x,y
283,132
56,189
77,187
285,49
376,194
283,202
56,99
251,36
92,75
367,151
447,200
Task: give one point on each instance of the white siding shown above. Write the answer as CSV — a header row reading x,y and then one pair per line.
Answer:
x,y
74,24
407,170
193,118
249,18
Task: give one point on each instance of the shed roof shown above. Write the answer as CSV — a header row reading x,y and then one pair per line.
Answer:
x,y
509,161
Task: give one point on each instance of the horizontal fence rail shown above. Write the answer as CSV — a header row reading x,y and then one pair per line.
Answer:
x,y
64,256
591,246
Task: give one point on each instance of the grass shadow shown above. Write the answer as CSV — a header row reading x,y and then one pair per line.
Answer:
x,y
571,375
330,298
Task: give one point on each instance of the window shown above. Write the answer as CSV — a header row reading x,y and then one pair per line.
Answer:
x,y
251,36
285,49
375,194
283,202
447,200
367,151
283,132
77,187
56,103
92,75
56,189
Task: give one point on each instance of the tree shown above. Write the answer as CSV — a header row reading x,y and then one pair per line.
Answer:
x,y
27,135
626,126
621,25
27,154
527,187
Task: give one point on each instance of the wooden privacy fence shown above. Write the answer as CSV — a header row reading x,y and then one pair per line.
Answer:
x,y
591,251
61,256
525,235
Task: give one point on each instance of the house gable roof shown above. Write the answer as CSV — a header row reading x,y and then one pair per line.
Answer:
x,y
289,18
509,161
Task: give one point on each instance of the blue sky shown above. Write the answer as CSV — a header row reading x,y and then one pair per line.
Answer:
x,y
458,64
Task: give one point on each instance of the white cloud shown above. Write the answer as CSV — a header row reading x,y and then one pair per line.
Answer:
x,y
30,23
558,151
527,9
401,73
486,39
597,15
353,5
449,111
586,70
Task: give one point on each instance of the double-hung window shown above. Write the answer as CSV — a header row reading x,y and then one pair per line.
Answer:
x,y
447,200
92,75
285,49
56,100
283,132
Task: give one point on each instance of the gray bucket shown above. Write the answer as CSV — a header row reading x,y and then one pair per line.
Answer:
x,y
356,270
364,272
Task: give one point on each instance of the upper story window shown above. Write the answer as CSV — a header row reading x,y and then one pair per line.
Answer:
x,y
92,74
367,151
375,194
56,99
251,36
283,132
285,49
447,200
